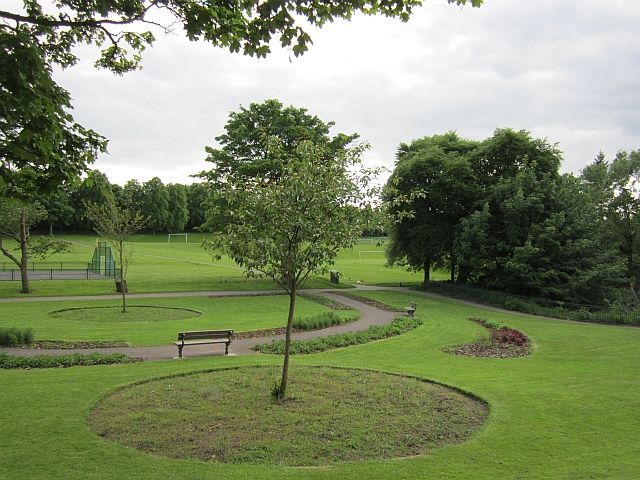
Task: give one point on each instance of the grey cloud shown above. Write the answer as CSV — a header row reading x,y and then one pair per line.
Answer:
x,y
565,70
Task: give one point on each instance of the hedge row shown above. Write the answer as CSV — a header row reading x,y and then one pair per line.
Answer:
x,y
51,361
397,327
324,320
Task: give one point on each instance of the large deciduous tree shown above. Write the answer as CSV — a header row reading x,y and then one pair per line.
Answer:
x,y
250,133
501,211
246,147
293,227
431,189
242,25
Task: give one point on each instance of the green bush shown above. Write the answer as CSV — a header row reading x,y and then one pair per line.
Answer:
x,y
397,327
50,361
324,320
15,337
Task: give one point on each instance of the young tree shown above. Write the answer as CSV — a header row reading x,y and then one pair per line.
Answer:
x,y
291,228
16,219
247,25
117,225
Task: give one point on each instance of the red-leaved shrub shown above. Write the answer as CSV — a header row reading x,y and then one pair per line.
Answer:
x,y
509,335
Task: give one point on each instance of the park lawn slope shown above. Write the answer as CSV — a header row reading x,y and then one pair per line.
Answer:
x,y
135,327
569,410
158,266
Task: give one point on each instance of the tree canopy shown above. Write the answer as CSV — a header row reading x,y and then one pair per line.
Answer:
x,y
242,25
253,131
499,214
41,147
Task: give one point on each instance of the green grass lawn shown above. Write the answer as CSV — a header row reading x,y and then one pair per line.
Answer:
x,y
238,313
158,266
568,411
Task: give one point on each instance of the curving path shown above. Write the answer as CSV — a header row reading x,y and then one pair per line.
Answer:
x,y
368,316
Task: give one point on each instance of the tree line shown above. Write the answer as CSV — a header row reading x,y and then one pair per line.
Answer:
x,y
167,208
498,213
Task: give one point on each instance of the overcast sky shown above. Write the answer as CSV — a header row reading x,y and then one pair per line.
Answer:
x,y
566,70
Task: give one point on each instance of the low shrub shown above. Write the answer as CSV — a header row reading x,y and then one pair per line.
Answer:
x,y
509,335
397,327
324,320
51,361
15,337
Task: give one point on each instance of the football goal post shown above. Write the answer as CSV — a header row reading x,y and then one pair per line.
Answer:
x,y
186,240
371,255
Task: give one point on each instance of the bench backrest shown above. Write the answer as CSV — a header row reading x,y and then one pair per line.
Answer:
x,y
205,334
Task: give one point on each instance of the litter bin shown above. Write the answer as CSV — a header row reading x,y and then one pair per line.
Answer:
x,y
121,285
334,276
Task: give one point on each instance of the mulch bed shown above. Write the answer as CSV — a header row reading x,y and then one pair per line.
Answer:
x,y
489,350
266,332
69,345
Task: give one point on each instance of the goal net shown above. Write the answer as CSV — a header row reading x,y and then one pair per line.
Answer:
x,y
186,240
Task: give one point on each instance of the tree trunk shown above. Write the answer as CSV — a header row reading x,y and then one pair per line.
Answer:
x,y
50,228
427,271
282,392
24,259
453,268
463,274
123,285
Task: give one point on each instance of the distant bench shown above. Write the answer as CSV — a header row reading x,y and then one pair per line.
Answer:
x,y
411,309
204,338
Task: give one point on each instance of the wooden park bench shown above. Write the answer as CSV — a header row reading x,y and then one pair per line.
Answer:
x,y
204,338
411,309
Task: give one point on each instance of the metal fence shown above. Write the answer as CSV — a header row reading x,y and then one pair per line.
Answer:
x,y
102,266
52,274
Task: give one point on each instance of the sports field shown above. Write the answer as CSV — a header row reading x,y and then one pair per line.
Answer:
x,y
159,266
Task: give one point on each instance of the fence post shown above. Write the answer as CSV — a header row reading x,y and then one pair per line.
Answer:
x,y
51,274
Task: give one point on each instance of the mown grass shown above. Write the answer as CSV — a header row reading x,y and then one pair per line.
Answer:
x,y
238,313
568,411
158,266
331,415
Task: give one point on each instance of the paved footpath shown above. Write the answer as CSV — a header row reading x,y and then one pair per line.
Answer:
x,y
368,316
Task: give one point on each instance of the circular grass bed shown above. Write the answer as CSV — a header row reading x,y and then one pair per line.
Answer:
x,y
135,313
333,415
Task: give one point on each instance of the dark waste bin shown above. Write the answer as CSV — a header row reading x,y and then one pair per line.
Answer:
x,y
121,285
334,276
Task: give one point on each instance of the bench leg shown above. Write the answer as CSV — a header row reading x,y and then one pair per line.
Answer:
x,y
180,350
226,348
